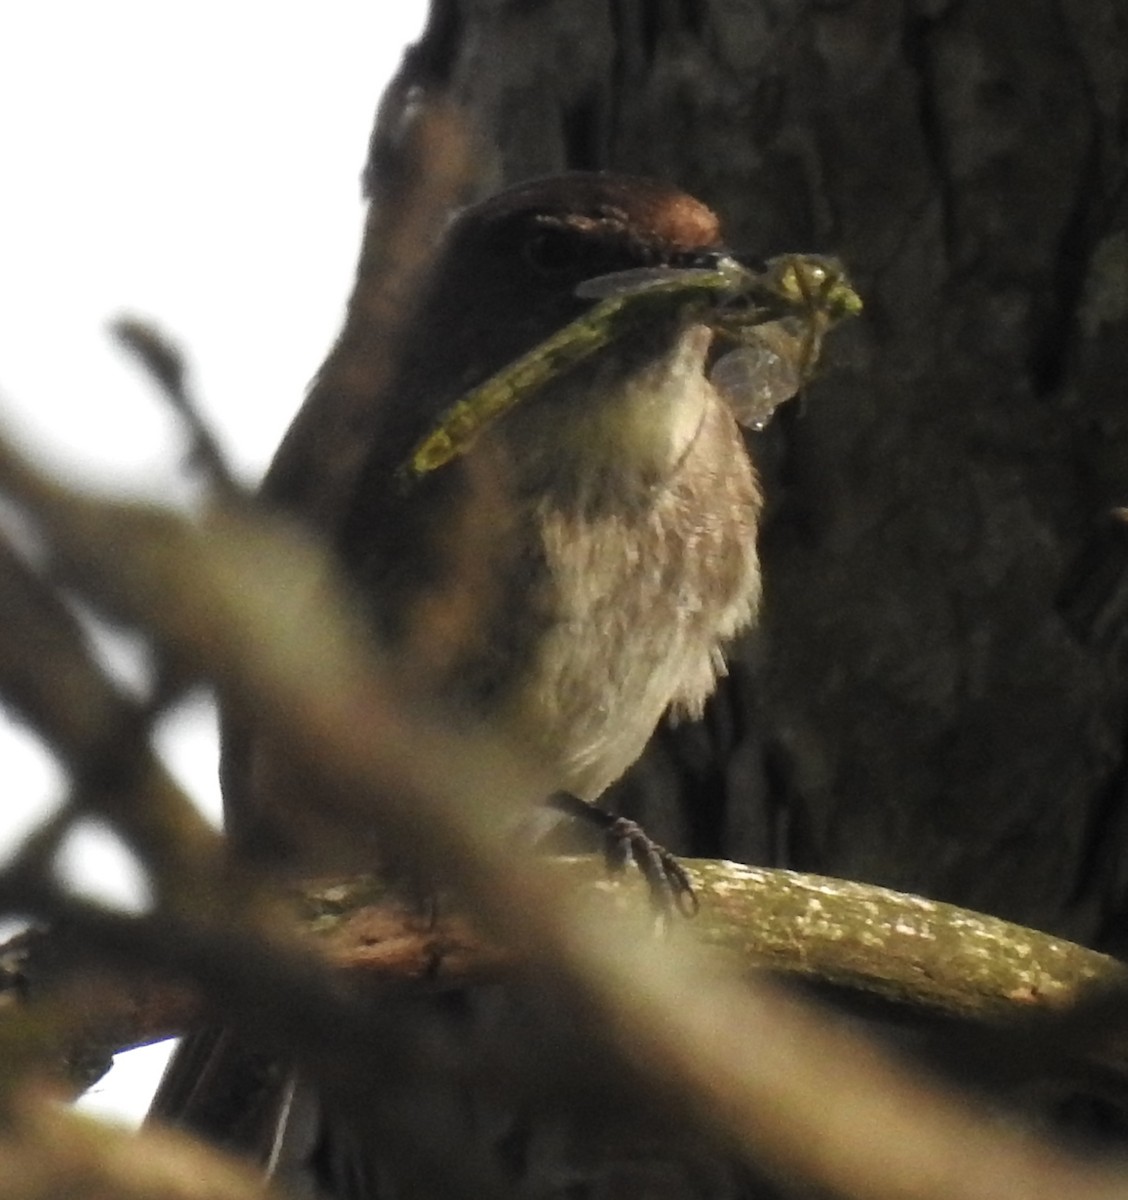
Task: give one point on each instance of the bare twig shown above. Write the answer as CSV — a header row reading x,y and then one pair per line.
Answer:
x,y
165,364
49,677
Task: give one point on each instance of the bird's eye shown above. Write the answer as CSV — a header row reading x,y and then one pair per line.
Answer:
x,y
705,260
552,251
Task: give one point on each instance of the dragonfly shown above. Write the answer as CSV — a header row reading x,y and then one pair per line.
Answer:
x,y
776,315
774,359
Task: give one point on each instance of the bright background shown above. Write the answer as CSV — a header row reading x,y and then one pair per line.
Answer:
x,y
197,165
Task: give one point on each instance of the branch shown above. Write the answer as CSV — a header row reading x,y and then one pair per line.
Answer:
x,y
50,679
47,1152
165,364
929,958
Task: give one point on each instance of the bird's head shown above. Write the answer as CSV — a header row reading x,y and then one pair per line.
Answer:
x,y
552,273
513,263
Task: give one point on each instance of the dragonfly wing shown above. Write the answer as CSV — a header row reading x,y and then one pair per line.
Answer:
x,y
756,378
648,279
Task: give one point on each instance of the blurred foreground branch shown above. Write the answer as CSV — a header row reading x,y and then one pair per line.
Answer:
x,y
256,606
47,1152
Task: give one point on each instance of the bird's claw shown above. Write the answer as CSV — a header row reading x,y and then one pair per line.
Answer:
x,y
670,887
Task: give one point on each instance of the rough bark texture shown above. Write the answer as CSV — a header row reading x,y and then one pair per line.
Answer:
x,y
936,700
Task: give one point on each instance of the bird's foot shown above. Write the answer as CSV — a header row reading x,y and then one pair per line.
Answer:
x,y
670,887
624,842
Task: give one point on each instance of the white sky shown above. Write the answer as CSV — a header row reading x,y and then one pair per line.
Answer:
x,y
197,165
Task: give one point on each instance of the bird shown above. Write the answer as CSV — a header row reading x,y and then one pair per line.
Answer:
x,y
570,569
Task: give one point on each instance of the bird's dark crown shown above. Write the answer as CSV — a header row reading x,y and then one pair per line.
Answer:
x,y
584,222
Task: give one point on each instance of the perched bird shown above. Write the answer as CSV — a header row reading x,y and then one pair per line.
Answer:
x,y
570,563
